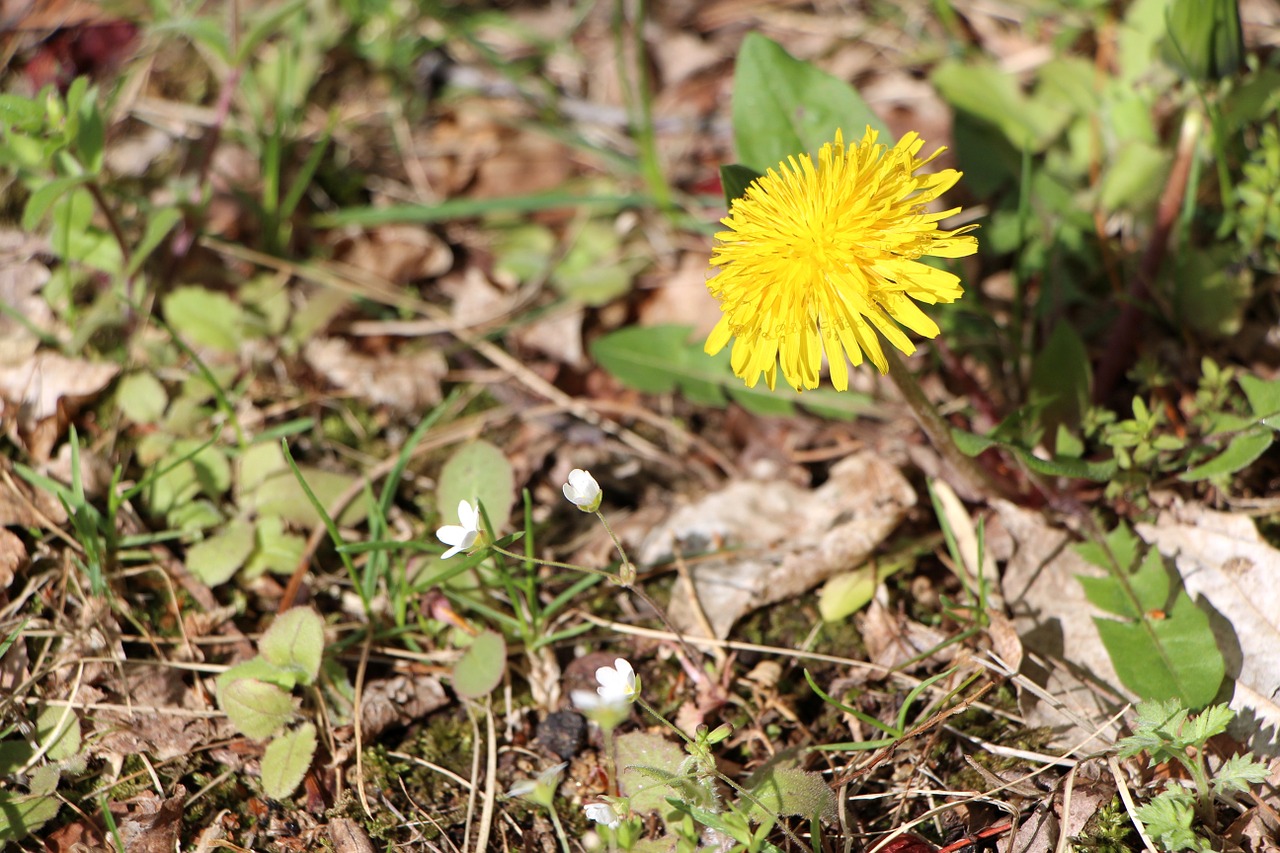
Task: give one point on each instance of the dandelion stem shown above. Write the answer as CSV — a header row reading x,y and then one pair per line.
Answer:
x,y
977,479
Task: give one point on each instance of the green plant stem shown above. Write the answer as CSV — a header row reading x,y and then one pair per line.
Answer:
x,y
639,101
555,821
977,479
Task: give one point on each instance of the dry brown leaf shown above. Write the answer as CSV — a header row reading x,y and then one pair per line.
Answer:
x,y
405,381
37,384
557,335
892,639
1049,609
399,253
681,297
1225,563
13,555
775,540
148,824
1092,787
348,836
399,700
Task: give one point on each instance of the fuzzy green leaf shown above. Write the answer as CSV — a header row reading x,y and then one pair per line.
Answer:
x,y
477,471
286,760
256,708
791,791
295,641
23,814
58,730
216,560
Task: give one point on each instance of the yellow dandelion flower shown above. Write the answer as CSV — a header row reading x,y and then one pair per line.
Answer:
x,y
821,258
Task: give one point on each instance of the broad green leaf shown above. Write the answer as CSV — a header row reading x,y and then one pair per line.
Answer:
x,y
784,107
993,96
295,640
790,791
90,134
734,180
141,398
276,550
1264,398
204,318
23,814
1060,377
1150,585
477,471
286,760
1166,655
23,113
643,758
1132,180
282,496
1243,450
217,559
481,667
1204,39
261,669
662,360
58,730
255,707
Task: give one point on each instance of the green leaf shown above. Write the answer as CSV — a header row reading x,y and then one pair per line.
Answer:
x,y
1059,466
1060,377
295,640
216,559
44,197
141,398
262,670
23,814
477,471
481,667
995,98
90,134
160,223
1204,39
275,550
783,106
643,758
593,271
734,180
790,791
58,730
282,496
1170,657
286,760
22,113
205,318
1264,398
255,707
846,594
661,359
1243,450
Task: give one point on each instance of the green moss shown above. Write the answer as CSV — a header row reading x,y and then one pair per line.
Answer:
x,y
1108,831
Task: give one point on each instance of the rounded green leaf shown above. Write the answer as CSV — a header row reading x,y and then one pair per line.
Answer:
x,y
286,760
216,559
141,398
204,318
58,730
480,669
477,471
295,640
256,708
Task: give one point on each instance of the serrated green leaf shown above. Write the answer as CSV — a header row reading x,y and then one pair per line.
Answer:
x,y
791,791
783,106
643,758
477,471
255,707
286,760
481,667
1170,657
216,559
295,640
1238,773
1243,450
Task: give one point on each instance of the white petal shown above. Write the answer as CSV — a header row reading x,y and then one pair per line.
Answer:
x,y
468,515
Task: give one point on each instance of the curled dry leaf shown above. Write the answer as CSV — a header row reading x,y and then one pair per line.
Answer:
x,y
399,700
13,554
777,539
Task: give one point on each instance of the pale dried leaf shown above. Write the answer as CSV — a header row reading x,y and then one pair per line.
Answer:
x,y
148,824
407,381
400,253
13,554
36,385
399,700
558,335
1049,609
777,539
348,836
892,639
